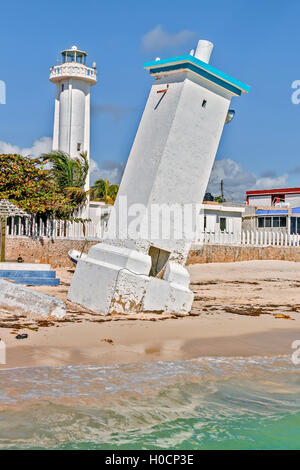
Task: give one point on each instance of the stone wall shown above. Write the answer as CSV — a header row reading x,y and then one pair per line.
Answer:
x,y
226,254
55,252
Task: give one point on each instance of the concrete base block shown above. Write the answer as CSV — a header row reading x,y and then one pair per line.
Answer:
x,y
29,301
164,297
106,288
24,266
115,280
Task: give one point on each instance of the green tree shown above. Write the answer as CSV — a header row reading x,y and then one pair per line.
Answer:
x,y
103,191
31,188
219,199
69,173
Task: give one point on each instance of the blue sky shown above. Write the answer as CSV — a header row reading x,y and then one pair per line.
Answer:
x,y
256,42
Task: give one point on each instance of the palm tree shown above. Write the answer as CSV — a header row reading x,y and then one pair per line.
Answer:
x,y
103,191
69,173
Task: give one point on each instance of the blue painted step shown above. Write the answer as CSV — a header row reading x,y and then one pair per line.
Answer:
x,y
17,273
36,281
30,277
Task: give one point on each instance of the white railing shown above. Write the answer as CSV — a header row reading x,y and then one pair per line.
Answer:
x,y
57,229
73,70
250,237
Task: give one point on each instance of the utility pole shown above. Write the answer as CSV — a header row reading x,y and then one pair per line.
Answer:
x,y
222,190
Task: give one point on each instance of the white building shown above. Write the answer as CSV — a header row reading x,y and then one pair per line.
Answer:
x,y
274,210
73,79
290,197
222,217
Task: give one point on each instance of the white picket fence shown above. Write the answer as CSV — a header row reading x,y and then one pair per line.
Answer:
x,y
57,229
253,238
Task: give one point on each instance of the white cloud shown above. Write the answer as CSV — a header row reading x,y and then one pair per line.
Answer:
x,y
42,145
112,171
237,180
277,182
158,39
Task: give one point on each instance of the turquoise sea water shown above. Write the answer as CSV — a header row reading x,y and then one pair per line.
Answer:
x,y
211,403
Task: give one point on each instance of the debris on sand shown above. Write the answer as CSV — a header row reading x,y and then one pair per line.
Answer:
x,y
251,311
29,301
22,336
107,340
282,315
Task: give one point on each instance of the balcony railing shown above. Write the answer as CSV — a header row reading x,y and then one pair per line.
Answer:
x,y
73,70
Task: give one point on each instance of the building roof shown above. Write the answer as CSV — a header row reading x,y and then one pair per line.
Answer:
x,y
272,212
293,210
222,207
8,209
197,66
266,192
74,49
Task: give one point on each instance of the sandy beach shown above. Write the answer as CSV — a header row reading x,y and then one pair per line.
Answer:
x,y
240,309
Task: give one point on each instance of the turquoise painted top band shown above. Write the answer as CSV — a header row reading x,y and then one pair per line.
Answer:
x,y
197,66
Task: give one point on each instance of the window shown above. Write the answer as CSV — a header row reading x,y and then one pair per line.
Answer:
x,y
261,222
80,58
277,198
268,222
282,221
78,147
71,56
274,222
204,102
205,222
222,224
63,87
295,225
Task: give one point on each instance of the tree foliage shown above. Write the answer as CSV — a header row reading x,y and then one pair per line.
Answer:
x,y
70,174
32,188
219,199
103,191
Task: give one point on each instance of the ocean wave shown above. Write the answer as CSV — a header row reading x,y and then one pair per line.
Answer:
x,y
181,404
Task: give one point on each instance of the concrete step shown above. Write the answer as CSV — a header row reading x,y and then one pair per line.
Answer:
x,y
18,273
34,281
30,277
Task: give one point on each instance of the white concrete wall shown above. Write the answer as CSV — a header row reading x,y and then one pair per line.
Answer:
x,y
233,220
73,114
99,213
72,118
55,142
259,200
293,200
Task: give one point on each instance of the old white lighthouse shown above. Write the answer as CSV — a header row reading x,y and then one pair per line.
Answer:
x,y
71,133
169,166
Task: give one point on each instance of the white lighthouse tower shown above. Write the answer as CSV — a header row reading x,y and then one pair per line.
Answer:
x,y
73,80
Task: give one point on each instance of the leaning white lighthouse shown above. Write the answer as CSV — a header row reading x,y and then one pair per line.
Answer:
x,y
140,267
71,133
